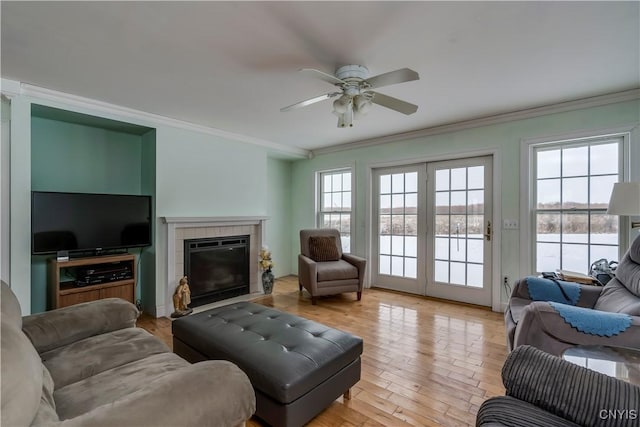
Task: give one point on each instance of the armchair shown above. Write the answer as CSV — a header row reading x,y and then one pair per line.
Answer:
x,y
541,324
546,391
322,267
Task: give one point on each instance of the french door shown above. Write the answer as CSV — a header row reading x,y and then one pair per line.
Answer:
x,y
432,229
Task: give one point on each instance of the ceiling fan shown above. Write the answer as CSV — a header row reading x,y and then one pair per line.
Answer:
x,y
356,95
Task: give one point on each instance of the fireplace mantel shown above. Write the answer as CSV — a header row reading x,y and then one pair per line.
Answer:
x,y
179,228
216,220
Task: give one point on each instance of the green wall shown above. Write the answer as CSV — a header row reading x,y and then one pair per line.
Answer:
x,y
504,138
279,211
190,174
203,175
5,179
147,271
77,158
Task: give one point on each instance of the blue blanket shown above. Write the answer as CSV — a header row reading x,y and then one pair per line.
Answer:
x,y
547,290
594,322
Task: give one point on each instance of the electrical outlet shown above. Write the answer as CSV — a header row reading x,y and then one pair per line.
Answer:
x,y
510,224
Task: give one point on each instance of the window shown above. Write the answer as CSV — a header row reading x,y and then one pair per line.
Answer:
x,y
572,185
335,204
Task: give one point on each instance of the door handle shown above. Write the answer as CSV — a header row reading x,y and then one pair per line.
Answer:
x,y
487,235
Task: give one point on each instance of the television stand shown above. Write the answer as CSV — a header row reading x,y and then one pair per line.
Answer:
x,y
92,278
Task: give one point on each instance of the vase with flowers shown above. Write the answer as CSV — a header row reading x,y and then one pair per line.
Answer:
x,y
266,264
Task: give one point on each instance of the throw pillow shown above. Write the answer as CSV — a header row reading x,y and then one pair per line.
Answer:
x,y
323,248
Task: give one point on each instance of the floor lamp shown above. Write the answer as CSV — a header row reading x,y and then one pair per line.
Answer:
x,y
625,200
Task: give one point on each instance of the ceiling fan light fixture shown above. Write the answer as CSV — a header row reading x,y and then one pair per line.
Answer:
x,y
346,119
341,104
355,94
361,105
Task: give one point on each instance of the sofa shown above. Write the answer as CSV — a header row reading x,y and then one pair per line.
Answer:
x,y
543,390
88,364
538,323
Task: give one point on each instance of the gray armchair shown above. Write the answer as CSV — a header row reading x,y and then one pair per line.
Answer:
x,y
537,323
323,269
545,391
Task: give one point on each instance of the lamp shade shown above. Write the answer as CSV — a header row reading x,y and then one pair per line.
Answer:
x,y
340,104
625,199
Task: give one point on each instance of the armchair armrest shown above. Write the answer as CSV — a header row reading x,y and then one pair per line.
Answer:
x,y
542,327
63,326
307,273
359,263
589,294
212,393
567,390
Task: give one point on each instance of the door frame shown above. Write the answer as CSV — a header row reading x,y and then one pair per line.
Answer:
x,y
497,285
447,290
404,284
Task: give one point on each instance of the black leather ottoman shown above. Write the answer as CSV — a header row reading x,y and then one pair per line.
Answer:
x,y
297,366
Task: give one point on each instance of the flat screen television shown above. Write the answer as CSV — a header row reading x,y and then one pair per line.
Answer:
x,y
83,222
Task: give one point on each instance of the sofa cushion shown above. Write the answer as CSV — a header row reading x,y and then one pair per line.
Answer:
x,y
336,270
323,248
22,376
108,386
46,414
57,328
10,306
617,298
509,411
516,305
628,271
70,363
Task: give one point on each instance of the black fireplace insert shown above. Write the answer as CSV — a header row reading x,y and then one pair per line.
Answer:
x,y
217,268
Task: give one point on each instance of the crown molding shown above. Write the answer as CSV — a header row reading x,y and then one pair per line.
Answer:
x,y
9,88
12,88
578,104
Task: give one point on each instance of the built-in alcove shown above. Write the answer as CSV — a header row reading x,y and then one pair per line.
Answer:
x,y
76,152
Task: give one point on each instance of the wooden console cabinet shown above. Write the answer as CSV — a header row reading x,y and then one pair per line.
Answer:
x,y
64,291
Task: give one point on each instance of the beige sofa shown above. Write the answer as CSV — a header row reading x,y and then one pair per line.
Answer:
x,y
88,364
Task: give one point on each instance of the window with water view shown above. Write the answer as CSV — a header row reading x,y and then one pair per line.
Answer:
x,y
573,183
335,204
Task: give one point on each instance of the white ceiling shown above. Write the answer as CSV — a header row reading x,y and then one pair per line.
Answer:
x,y
233,65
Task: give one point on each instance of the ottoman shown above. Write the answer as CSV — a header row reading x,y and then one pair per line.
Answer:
x,y
296,366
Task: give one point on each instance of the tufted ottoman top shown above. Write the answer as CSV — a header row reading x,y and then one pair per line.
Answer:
x,y
283,355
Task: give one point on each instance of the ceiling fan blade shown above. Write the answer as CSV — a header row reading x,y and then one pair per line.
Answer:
x,y
393,103
392,77
309,101
324,76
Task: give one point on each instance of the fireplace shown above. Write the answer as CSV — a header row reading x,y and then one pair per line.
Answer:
x,y
217,268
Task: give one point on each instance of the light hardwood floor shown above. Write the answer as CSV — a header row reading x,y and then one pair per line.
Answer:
x,y
425,362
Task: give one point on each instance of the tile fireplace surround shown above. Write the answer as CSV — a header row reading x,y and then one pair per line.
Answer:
x,y
181,228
